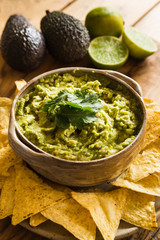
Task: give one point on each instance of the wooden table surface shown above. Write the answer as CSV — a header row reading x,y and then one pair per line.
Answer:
x,y
144,14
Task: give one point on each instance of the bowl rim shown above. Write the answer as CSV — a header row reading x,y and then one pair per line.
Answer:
x,y
83,69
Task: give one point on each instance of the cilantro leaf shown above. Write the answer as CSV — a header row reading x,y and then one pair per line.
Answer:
x,y
62,121
78,117
77,108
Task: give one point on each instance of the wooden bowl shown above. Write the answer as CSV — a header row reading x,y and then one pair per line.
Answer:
x,y
75,173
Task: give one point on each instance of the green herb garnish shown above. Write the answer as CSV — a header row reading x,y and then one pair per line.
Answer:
x,y
77,108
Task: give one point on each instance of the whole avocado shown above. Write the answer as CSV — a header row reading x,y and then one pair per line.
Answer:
x,y
67,39
22,45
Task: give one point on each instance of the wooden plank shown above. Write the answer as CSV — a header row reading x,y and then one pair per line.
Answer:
x,y
143,234
131,10
11,232
8,76
146,72
32,9
150,24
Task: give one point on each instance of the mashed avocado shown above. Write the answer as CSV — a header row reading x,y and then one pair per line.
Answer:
x,y
116,125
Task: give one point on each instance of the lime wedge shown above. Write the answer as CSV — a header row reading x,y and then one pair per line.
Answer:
x,y
108,52
139,45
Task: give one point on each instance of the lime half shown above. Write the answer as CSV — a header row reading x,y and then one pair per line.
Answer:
x,y
139,45
108,52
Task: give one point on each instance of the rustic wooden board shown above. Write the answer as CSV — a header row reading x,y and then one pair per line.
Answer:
x,y
144,13
34,10
131,10
150,24
143,234
145,72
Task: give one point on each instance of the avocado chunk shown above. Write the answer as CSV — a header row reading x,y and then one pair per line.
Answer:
x,y
22,45
67,39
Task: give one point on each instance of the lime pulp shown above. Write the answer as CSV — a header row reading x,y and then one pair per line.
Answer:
x,y
140,45
108,52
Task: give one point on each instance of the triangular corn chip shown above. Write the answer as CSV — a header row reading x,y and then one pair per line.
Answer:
x,y
37,219
7,159
7,195
149,185
2,180
150,104
5,106
105,208
3,137
152,127
146,163
19,84
72,216
140,210
33,195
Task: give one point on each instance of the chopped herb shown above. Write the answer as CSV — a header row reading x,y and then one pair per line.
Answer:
x,y
77,108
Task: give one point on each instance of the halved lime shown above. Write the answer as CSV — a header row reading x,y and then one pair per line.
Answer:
x,y
108,52
104,21
139,45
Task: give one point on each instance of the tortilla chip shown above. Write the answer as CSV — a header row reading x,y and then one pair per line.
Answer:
x,y
37,219
149,185
7,159
146,163
72,216
7,195
33,195
152,127
19,85
105,208
140,210
3,138
150,104
5,106
2,180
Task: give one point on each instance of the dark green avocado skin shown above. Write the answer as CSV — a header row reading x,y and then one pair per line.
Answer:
x,y
67,39
22,45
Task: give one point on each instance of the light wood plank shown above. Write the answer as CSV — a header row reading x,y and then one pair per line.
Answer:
x,y
8,76
131,10
150,24
32,9
10,232
146,73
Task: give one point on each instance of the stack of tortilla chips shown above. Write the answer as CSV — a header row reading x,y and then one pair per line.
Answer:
x,y
26,195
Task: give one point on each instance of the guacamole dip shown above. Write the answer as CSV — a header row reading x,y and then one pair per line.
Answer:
x,y
112,126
